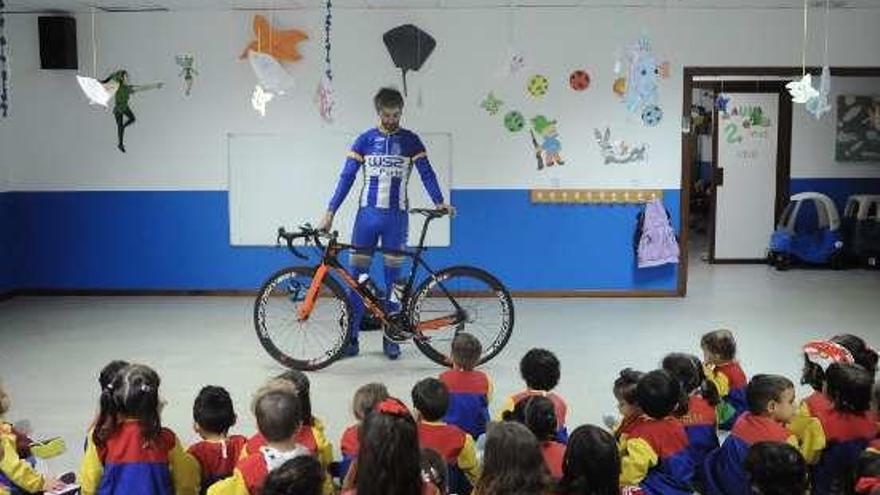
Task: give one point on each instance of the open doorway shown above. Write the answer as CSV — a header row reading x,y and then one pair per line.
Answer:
x,y
700,178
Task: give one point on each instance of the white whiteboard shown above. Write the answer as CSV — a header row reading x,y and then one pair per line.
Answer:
x,y
287,180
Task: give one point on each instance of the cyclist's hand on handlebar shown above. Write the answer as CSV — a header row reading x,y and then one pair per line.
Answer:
x,y
448,208
326,222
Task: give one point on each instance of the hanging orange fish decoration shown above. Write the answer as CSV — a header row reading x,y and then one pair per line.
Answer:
x,y
279,43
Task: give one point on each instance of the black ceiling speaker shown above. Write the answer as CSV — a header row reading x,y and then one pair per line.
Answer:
x,y
58,43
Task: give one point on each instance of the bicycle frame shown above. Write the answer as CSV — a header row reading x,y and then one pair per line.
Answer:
x,y
330,261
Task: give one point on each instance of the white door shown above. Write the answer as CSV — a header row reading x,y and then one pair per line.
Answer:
x,y
745,201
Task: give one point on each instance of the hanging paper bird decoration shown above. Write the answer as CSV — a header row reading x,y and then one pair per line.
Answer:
x,y
279,43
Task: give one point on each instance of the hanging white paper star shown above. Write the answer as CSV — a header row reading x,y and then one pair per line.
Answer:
x,y
259,100
801,91
270,74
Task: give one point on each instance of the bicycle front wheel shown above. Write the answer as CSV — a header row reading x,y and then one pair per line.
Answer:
x,y
487,312
304,344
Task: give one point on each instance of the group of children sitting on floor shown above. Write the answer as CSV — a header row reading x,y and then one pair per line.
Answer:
x,y
666,441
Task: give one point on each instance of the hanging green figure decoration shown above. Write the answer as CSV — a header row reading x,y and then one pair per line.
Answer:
x,y
188,73
121,111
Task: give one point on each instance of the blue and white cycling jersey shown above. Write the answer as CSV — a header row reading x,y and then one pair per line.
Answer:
x,y
387,160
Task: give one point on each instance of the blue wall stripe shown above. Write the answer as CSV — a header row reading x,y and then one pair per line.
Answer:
x,y
180,240
8,238
837,189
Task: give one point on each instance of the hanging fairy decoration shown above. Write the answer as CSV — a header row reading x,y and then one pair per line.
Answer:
x,y
121,97
802,90
637,82
187,72
4,64
325,87
820,104
265,54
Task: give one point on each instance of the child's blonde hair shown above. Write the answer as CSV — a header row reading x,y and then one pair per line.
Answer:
x,y
5,401
466,351
721,343
366,397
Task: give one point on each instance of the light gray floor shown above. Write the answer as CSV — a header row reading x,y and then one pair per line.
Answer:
x,y
52,348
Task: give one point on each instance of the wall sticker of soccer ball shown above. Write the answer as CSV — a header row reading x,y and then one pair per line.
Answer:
x,y
579,80
514,121
538,86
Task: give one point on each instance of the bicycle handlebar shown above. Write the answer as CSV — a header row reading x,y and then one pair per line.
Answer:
x,y
306,232
314,235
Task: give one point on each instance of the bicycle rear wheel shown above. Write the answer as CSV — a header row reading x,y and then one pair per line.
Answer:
x,y
309,344
488,312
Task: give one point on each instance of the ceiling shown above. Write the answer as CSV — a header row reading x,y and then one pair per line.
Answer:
x,y
225,5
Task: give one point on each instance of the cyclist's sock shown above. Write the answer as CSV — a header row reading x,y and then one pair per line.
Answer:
x,y
357,304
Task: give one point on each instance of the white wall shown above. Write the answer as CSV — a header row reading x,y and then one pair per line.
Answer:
x,y
54,141
812,141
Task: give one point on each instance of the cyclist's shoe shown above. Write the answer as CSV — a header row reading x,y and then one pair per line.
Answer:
x,y
351,349
391,350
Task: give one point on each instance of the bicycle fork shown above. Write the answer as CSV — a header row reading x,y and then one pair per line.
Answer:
x,y
312,295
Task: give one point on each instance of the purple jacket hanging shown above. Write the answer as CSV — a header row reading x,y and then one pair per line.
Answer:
x,y
657,243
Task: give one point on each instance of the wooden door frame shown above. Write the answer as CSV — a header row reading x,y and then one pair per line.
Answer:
x,y
691,72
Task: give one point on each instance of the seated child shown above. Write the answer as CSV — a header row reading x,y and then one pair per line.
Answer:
x,y
539,415
654,453
470,391
279,418
299,476
771,406
833,439
775,468
128,450
17,475
697,409
311,434
539,368
431,400
625,393
365,399
591,465
218,452
722,369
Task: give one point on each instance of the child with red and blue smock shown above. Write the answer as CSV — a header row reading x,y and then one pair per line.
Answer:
x,y
539,416
470,391
654,451
818,355
431,400
128,451
833,438
365,399
279,417
624,390
867,474
311,433
697,409
539,368
722,368
17,474
771,406
218,452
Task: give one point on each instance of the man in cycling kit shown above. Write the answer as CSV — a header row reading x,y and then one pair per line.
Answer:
x,y
386,154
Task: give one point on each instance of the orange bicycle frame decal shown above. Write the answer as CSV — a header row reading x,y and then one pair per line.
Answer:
x,y
309,303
